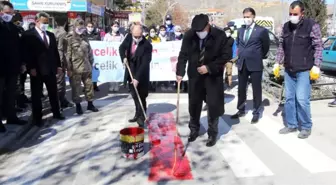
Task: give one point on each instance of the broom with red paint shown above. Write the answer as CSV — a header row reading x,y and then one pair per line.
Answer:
x,y
181,169
155,142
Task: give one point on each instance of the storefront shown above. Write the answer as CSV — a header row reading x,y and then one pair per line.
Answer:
x,y
121,17
70,9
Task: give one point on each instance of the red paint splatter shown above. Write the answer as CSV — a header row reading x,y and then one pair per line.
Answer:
x,y
166,161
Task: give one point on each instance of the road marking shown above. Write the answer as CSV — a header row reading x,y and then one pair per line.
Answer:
x,y
241,159
307,156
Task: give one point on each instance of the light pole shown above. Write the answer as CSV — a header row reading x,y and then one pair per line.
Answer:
x,y
334,19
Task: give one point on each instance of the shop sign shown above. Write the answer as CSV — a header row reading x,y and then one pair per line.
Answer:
x,y
135,17
95,9
50,5
99,2
120,15
72,15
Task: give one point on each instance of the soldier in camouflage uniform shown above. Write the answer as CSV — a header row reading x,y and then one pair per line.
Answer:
x,y
60,34
79,65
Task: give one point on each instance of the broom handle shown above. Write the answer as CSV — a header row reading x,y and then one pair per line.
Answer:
x,y
178,102
135,88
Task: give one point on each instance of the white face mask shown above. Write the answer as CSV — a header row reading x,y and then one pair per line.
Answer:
x,y
248,21
137,40
44,27
152,35
7,17
163,33
115,29
202,34
294,19
89,29
168,22
80,31
228,34
178,33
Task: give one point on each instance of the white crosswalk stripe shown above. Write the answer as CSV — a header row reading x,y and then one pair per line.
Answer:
x,y
252,152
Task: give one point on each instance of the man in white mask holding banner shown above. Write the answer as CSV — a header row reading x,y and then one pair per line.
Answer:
x,y
300,51
206,50
253,45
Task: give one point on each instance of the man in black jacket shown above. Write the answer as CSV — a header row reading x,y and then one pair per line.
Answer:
x,y
138,52
21,99
206,50
10,63
253,45
43,63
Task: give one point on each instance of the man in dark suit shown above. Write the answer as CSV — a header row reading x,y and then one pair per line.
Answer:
x,y
43,62
253,45
10,63
207,51
138,52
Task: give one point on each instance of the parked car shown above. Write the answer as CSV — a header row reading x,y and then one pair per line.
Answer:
x,y
329,54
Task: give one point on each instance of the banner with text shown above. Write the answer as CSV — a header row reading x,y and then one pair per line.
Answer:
x,y
108,66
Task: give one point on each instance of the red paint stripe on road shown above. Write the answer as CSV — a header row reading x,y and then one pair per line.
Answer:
x,y
166,161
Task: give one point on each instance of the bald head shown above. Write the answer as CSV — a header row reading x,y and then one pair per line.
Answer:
x,y
136,31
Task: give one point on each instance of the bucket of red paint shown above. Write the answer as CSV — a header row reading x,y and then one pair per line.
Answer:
x,y
132,142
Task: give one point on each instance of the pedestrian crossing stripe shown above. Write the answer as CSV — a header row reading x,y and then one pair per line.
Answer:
x,y
265,23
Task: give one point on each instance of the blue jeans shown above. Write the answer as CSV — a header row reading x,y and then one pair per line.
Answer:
x,y
297,106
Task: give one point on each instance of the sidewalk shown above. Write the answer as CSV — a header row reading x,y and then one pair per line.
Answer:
x,y
15,132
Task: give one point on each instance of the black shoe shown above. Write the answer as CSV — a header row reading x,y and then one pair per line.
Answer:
x,y
91,107
39,123
96,88
22,105
193,136
212,140
141,122
238,115
134,119
23,99
79,109
16,121
332,104
255,119
59,117
66,104
2,128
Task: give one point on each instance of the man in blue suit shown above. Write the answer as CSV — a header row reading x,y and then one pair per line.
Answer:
x,y
253,45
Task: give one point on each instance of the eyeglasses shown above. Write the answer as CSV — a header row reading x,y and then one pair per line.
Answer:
x,y
293,14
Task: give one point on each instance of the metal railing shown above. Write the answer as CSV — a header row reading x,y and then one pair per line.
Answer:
x,y
324,88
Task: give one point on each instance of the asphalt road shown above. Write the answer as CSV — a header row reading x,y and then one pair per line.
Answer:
x,y
85,150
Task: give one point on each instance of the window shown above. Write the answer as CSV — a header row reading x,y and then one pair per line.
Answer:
x,y
334,47
273,38
327,44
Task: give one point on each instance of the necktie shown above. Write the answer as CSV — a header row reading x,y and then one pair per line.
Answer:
x,y
133,48
247,34
45,40
201,56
